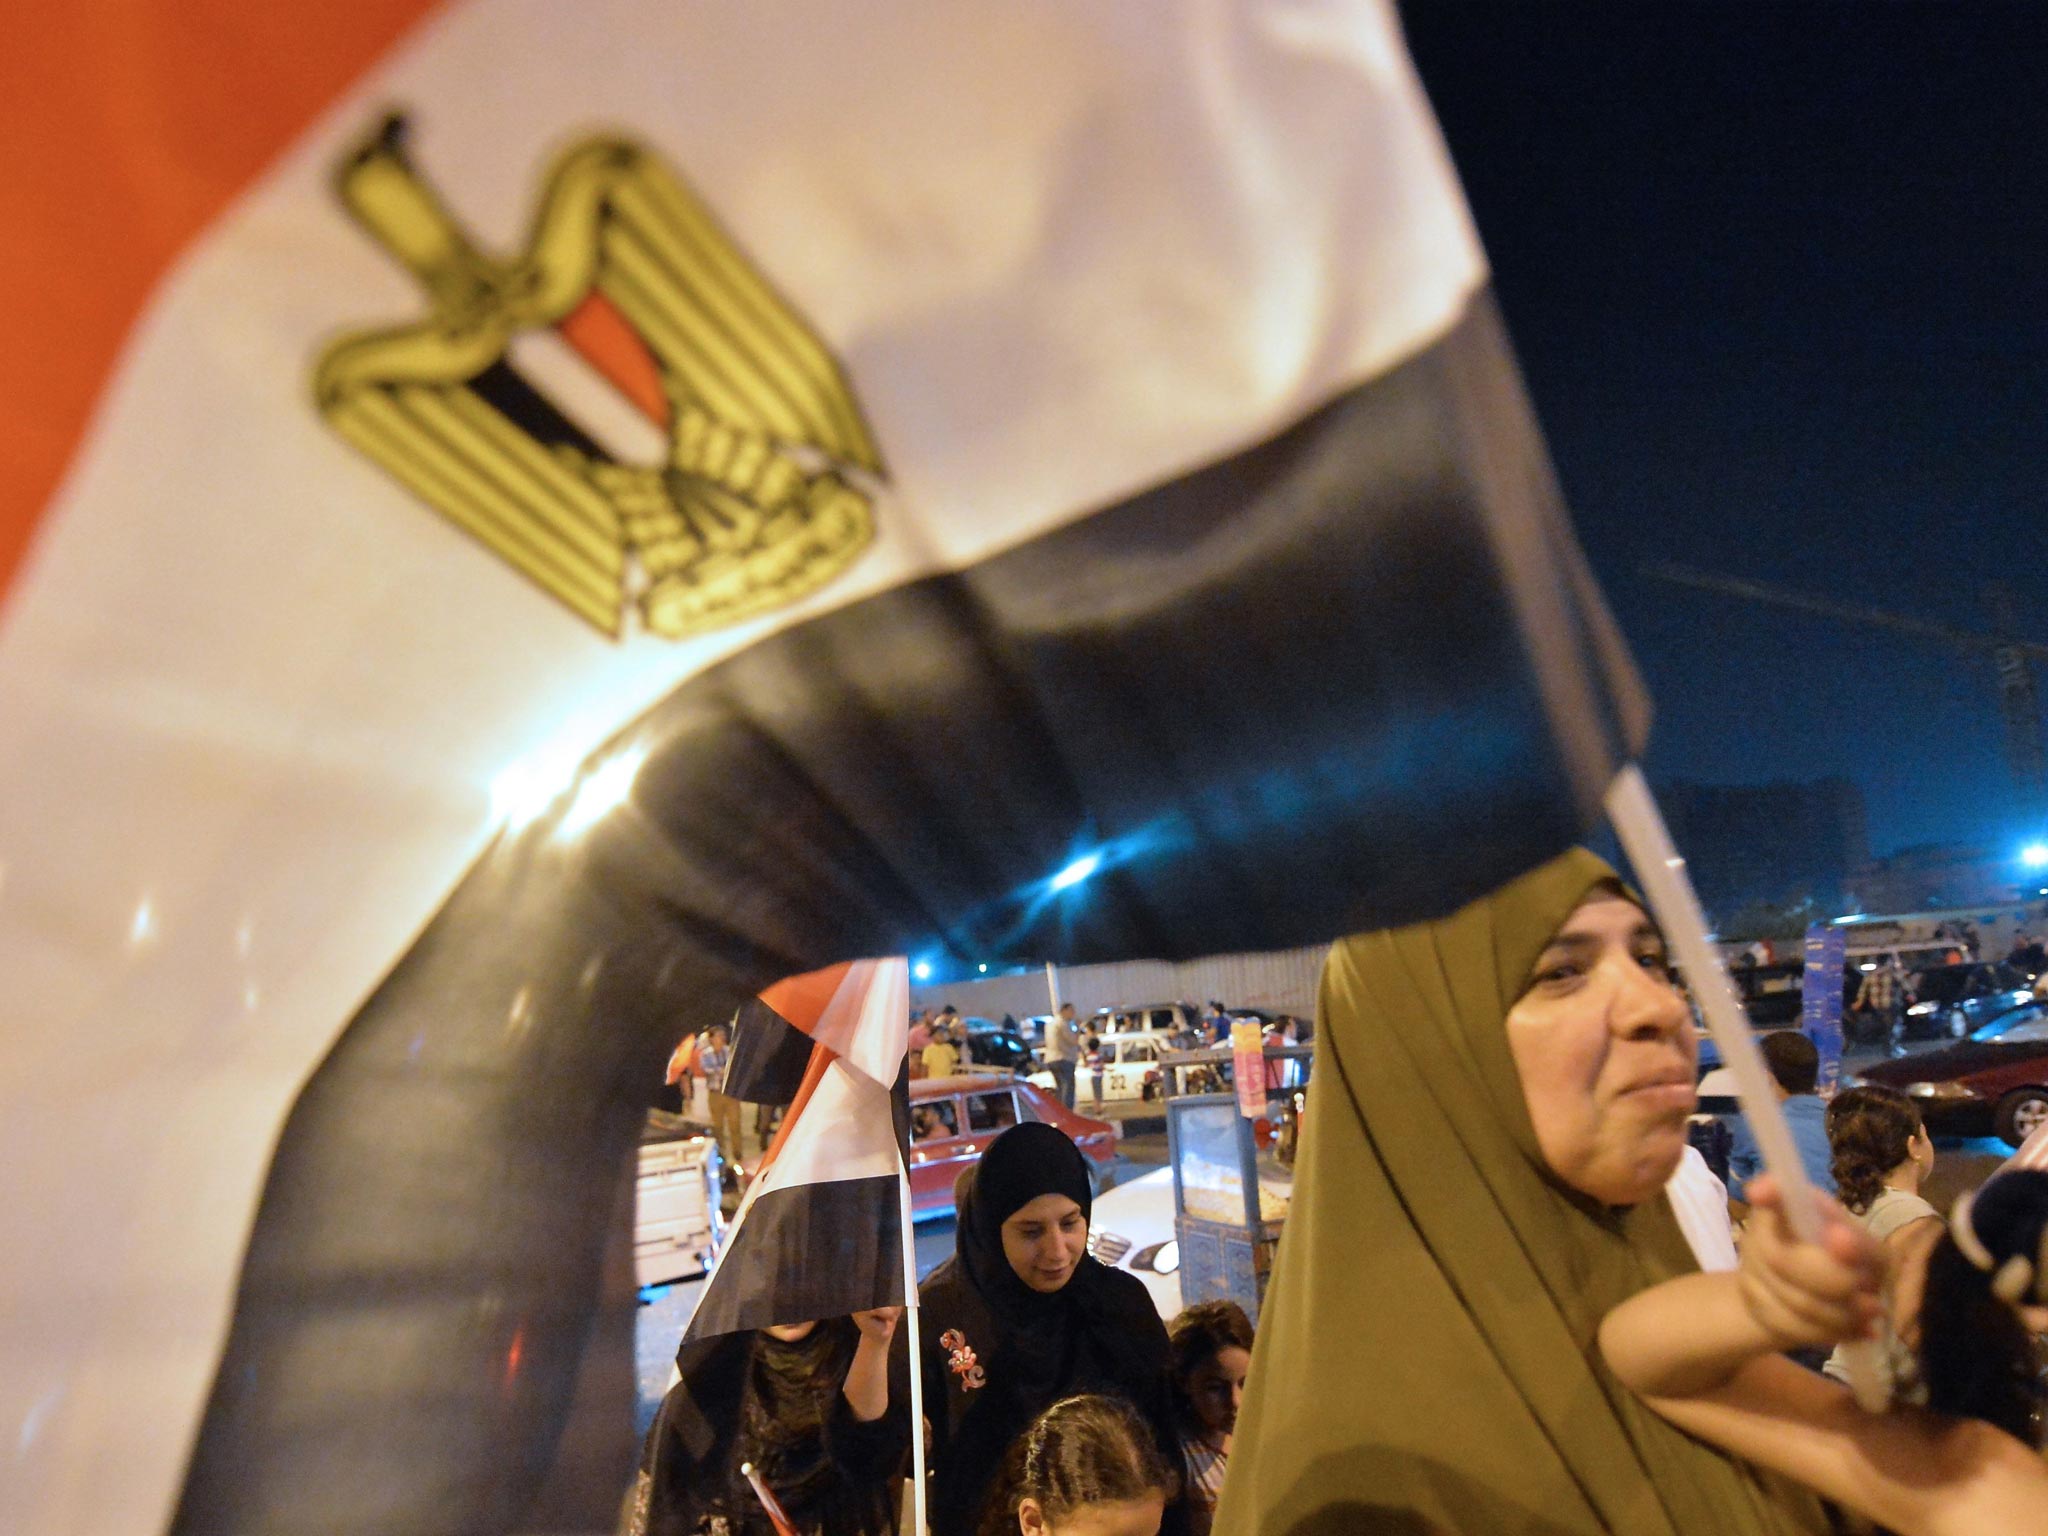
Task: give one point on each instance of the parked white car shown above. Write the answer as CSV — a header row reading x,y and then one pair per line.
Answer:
x,y
1131,1228
1129,1066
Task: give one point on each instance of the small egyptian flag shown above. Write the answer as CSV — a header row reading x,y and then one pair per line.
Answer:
x,y
820,1232
773,1035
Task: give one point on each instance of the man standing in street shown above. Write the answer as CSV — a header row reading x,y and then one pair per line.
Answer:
x,y
725,1111
1216,1024
1878,1000
1062,1052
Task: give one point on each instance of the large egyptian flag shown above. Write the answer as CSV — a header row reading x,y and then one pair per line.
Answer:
x,y
820,1232
521,523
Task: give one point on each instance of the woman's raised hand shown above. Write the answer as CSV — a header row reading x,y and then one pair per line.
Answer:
x,y
878,1322
1808,1295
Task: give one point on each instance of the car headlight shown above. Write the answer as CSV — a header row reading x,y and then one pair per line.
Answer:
x,y
1160,1258
1921,1008
1939,1091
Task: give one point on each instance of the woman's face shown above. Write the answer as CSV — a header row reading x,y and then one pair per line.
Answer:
x,y
1605,1051
1125,1517
1216,1388
789,1333
1044,1241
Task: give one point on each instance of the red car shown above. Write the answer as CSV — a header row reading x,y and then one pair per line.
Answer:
x,y
952,1119
1996,1081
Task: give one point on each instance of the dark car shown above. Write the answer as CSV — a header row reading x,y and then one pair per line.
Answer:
x,y
991,1045
1996,1081
1771,994
1957,1000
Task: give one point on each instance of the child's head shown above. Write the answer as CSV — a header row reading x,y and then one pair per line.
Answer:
x,y
1977,1355
1871,1131
1211,1352
1087,1466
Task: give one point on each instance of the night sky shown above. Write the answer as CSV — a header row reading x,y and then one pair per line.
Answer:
x,y
1778,277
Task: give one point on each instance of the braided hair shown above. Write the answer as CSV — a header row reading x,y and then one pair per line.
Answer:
x,y
1868,1132
1080,1451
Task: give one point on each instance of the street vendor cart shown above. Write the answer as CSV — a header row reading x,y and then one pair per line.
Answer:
x,y
1233,1172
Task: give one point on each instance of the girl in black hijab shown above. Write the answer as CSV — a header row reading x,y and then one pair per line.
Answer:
x,y
789,1401
1021,1317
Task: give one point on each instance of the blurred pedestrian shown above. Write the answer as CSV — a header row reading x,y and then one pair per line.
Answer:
x,y
920,1037
712,1057
1210,1355
1216,1023
1020,1317
1087,1465
806,1405
1062,1052
1094,1052
1880,998
681,1076
941,1056
1794,1062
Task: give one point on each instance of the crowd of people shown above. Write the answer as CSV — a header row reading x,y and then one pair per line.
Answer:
x,y
1886,989
1055,1398
1487,1314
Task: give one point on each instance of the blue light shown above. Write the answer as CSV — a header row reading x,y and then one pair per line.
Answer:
x,y
922,970
983,968
2035,855
1077,871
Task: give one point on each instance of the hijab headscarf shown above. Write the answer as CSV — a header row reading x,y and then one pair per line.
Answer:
x,y
1097,1333
1036,1331
1426,1356
751,1397
793,1387
1027,1161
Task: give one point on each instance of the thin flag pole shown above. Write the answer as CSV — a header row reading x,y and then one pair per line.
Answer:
x,y
1052,986
910,1309
777,1516
1640,826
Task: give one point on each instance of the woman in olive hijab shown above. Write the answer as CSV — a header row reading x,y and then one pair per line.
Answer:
x,y
1480,1183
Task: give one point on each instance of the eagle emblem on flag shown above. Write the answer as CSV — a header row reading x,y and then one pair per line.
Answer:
x,y
627,412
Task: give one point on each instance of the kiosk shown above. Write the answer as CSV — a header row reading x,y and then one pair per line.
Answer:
x,y
1233,1173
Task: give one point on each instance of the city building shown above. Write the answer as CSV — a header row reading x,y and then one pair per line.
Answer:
x,y
1760,844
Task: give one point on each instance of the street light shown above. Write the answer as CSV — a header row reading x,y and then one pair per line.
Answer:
x,y
1077,871
2035,855
922,970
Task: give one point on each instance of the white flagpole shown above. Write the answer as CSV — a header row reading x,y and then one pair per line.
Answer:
x,y
1640,826
910,1309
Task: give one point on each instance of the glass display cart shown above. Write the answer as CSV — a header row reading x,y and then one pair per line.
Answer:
x,y
1233,1173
